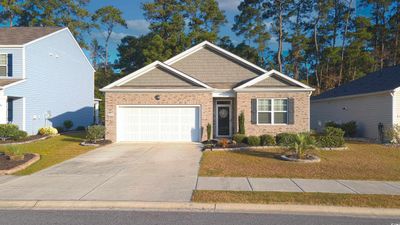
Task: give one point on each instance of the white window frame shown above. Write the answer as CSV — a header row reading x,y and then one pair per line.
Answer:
x,y
5,64
272,111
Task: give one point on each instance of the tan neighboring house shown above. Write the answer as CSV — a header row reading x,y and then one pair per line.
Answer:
x,y
369,101
175,100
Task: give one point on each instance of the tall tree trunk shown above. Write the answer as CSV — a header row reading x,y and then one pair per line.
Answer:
x,y
317,55
346,27
396,46
280,37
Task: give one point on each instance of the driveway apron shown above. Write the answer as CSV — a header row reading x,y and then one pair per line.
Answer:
x,y
129,171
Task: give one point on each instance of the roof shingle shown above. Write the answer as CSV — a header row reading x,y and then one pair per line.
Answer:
x,y
23,35
382,80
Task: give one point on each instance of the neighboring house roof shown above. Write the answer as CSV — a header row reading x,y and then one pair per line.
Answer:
x,y
24,35
386,79
207,67
7,82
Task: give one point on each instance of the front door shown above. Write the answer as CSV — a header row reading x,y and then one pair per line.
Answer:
x,y
223,117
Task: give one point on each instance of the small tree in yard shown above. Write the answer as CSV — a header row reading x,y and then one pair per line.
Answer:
x,y
302,144
241,123
95,133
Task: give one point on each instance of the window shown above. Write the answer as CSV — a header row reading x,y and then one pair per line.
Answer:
x,y
3,65
272,111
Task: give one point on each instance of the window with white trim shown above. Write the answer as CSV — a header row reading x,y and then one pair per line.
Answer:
x,y
272,111
3,65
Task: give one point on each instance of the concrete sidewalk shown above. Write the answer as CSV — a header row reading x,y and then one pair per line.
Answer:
x,y
298,185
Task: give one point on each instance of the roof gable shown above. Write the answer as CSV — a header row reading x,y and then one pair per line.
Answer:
x,y
24,35
274,80
215,66
158,76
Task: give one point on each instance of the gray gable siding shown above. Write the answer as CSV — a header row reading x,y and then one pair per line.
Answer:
x,y
158,77
215,69
273,81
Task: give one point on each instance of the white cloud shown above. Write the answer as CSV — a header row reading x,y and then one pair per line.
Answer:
x,y
138,27
229,5
115,36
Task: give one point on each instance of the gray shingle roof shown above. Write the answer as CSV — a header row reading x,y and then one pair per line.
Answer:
x,y
23,35
382,80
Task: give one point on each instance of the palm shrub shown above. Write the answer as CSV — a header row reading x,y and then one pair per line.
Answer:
x,y
241,123
303,142
267,140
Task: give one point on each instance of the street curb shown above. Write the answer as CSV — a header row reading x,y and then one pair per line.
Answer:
x,y
199,207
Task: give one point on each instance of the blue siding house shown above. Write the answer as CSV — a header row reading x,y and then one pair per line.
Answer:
x,y
45,79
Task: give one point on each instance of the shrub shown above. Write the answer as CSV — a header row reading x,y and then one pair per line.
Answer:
x,y
14,152
60,129
223,143
349,128
68,124
48,131
239,138
209,132
95,133
302,144
20,135
10,131
285,139
80,128
253,140
241,123
267,140
392,134
331,138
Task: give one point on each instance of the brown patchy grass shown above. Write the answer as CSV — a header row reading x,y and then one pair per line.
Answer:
x,y
53,150
352,200
362,161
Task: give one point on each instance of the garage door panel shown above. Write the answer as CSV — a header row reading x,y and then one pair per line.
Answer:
x,y
158,124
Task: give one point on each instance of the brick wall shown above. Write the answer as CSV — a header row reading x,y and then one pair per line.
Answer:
x,y
112,99
301,112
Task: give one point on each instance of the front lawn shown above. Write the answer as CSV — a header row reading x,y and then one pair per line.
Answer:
x,y
362,161
53,150
378,201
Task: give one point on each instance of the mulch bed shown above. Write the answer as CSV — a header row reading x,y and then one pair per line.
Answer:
x,y
29,138
6,164
98,143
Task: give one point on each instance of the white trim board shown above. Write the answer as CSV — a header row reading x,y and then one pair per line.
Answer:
x,y
149,67
215,47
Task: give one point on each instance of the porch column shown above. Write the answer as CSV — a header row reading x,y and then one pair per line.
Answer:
x,y
3,108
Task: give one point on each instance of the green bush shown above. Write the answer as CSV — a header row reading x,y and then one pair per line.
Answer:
x,y
331,138
239,138
20,135
68,124
80,128
10,131
241,123
285,139
253,141
349,128
95,133
267,140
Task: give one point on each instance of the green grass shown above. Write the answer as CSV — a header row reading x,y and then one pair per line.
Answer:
x,y
328,199
53,151
360,162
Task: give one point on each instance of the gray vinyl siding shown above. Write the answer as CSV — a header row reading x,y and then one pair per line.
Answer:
x,y
59,80
396,107
212,68
368,111
17,60
158,77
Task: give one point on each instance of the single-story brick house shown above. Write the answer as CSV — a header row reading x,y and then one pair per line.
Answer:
x,y
175,100
369,101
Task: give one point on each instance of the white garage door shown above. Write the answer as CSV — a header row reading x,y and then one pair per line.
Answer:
x,y
147,123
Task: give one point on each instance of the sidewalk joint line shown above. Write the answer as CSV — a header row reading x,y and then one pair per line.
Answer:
x,y
394,186
197,181
356,192
248,181
297,184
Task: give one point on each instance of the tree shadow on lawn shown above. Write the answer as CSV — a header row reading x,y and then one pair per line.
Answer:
x,y
261,154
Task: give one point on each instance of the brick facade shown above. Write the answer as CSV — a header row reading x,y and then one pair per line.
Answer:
x,y
112,99
301,112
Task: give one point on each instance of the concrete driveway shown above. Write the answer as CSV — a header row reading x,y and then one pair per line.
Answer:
x,y
136,172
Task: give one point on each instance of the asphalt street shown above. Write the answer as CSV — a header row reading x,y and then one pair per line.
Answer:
x,y
97,217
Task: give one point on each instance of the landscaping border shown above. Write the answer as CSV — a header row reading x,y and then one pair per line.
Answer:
x,y
30,141
22,166
269,147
